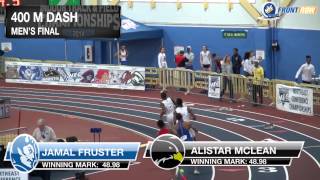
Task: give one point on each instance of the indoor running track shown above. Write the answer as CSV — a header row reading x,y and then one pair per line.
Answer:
x,y
139,111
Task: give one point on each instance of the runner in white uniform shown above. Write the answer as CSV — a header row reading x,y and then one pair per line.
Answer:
x,y
184,110
167,110
187,115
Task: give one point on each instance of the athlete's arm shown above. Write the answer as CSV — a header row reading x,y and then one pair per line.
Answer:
x,y
163,110
193,117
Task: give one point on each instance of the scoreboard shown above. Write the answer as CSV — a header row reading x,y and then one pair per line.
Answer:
x,y
6,3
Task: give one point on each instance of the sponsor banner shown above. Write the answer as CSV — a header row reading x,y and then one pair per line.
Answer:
x,y
294,99
12,174
84,75
214,86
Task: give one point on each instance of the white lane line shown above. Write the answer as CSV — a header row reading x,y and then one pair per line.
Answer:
x,y
111,118
139,97
207,110
252,119
155,113
239,117
137,116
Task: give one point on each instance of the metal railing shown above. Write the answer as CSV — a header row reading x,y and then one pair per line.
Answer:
x,y
242,86
9,134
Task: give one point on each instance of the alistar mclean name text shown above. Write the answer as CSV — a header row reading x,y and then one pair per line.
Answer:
x,y
234,151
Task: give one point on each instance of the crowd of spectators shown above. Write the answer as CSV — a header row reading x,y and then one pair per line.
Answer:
x,y
211,61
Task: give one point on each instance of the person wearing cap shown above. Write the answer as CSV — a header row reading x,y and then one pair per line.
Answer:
x,y
258,76
44,133
190,57
307,70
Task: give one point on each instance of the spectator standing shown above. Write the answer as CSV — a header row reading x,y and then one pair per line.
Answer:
x,y
226,68
123,55
205,58
236,61
189,57
258,76
44,133
162,60
216,63
180,60
307,70
248,64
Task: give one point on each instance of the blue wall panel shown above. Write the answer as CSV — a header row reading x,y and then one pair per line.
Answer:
x,y
212,37
294,45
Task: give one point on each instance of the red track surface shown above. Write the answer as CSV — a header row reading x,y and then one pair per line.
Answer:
x,y
302,168
65,126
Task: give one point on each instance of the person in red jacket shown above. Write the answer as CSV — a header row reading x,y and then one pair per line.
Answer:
x,y
162,128
180,60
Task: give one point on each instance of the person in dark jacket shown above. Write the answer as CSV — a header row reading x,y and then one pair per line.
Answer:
x,y
236,61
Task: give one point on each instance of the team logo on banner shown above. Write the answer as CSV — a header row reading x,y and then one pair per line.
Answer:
x,y
167,151
214,86
24,153
284,95
294,99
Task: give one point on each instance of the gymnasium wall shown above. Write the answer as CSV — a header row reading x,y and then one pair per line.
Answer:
x,y
297,34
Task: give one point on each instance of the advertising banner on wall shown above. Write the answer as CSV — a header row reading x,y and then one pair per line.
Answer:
x,y
294,99
214,86
85,75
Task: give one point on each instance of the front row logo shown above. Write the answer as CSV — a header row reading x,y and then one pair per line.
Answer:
x,y
24,153
270,10
167,151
